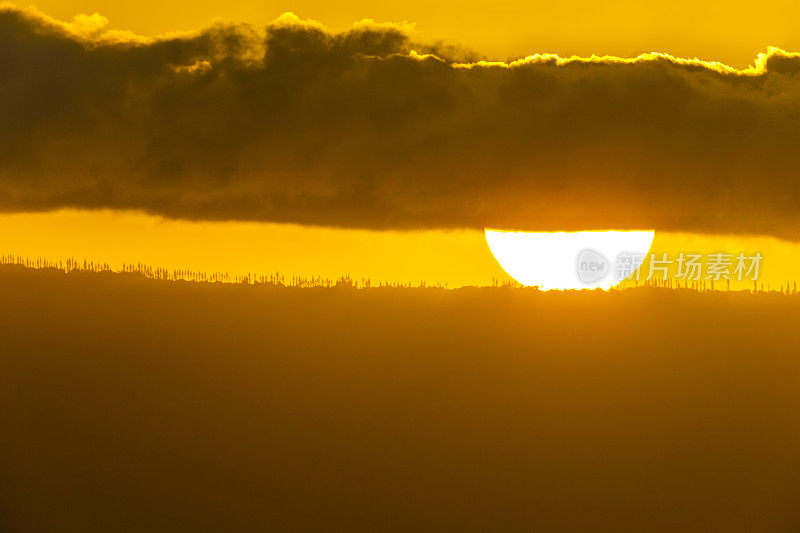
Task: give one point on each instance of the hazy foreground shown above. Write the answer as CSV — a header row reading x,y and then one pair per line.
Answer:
x,y
136,405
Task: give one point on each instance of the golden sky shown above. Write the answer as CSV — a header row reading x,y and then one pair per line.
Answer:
x,y
404,148
454,258
732,32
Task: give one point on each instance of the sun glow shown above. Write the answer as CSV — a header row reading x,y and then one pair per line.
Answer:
x,y
579,260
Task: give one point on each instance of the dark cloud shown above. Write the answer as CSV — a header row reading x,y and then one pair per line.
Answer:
x,y
367,128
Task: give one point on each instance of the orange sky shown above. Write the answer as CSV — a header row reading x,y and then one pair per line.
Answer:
x,y
454,258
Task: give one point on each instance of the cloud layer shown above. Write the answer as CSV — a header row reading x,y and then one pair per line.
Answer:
x,y
367,128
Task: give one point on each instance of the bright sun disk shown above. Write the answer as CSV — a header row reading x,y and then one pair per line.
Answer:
x,y
561,260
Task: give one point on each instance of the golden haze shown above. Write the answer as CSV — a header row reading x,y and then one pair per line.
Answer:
x,y
453,258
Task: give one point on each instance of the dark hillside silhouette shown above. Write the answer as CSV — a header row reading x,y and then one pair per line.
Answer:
x,y
132,404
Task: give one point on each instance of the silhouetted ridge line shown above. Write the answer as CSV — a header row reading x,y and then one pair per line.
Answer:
x,y
165,274
279,280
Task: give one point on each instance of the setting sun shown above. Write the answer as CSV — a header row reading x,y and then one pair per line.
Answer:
x,y
561,260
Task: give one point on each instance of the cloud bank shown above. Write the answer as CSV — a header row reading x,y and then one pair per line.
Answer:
x,y
368,128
